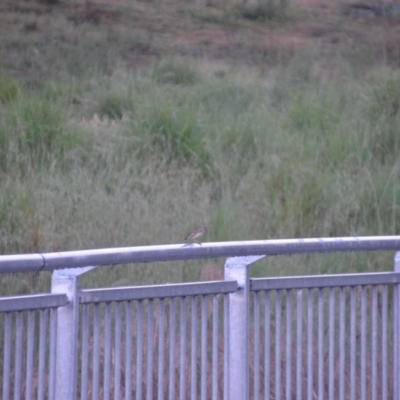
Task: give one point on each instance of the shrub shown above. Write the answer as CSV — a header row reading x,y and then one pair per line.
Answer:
x,y
8,90
174,73
35,132
114,106
268,11
176,135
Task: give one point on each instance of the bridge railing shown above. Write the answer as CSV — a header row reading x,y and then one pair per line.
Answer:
x,y
331,336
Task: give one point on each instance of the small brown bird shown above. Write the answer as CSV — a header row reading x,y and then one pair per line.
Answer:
x,y
197,233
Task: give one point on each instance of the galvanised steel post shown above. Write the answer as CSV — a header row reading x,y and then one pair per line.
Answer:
x,y
238,269
66,281
396,334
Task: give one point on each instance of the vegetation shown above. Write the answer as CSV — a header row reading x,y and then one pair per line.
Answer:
x,y
95,153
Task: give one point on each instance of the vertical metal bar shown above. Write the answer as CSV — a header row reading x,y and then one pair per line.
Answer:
x,y
107,351
53,353
226,346
117,341
214,373
267,346
397,367
353,388
18,355
342,344
320,343
384,342
67,282
374,339
288,344
396,319
299,345
96,352
139,350
161,338
182,365
172,340
128,350
331,343
150,355
310,345
29,354
363,327
42,353
7,356
203,385
256,345
85,351
237,269
193,350
396,332
278,316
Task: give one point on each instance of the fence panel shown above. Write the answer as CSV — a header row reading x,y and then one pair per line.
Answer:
x,y
28,336
167,346
335,342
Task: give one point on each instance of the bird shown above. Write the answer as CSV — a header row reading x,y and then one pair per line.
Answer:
x,y
199,231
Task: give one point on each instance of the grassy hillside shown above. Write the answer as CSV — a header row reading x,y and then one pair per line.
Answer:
x,y
117,137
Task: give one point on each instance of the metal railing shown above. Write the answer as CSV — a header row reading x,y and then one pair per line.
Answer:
x,y
34,317
298,337
177,328
327,336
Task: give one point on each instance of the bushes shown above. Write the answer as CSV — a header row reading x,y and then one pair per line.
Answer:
x,y
34,132
174,73
114,106
8,89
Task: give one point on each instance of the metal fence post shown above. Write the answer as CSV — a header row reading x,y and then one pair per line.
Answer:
x,y
396,333
237,268
238,348
66,281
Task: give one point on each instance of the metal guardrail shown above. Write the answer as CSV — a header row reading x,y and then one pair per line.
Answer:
x,y
125,255
32,302
156,291
325,281
242,299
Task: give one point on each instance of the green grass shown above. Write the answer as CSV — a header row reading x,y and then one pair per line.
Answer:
x,y
95,154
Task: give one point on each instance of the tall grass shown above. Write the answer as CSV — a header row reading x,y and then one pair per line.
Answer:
x,y
135,159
